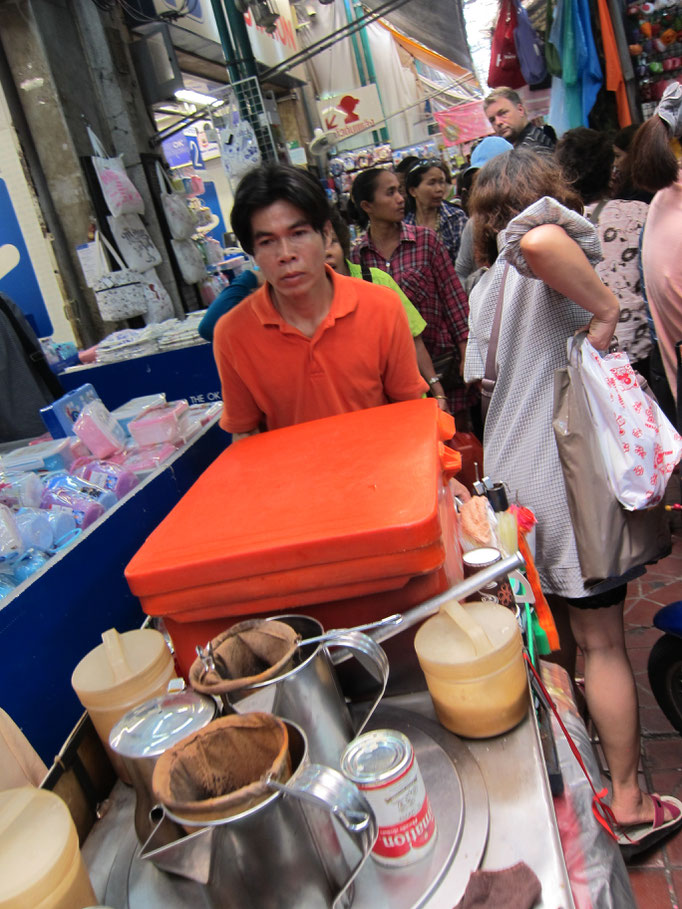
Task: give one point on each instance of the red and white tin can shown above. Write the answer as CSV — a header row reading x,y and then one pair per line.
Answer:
x,y
383,765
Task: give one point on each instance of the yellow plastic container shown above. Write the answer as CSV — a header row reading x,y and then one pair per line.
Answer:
x,y
40,863
123,671
474,668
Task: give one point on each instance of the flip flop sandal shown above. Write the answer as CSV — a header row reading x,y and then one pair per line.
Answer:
x,y
636,838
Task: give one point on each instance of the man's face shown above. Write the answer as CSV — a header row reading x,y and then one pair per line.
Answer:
x,y
289,252
506,118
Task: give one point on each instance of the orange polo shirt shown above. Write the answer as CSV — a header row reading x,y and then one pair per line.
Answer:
x,y
362,355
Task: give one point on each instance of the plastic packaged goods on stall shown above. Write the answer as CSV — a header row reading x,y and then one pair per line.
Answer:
x,y
374,521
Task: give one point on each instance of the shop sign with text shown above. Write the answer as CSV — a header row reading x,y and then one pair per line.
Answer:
x,y
351,112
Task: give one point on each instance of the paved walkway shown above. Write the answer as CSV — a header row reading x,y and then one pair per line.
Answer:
x,y
656,877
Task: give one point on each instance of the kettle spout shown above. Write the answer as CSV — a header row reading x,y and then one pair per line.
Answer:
x,y
189,856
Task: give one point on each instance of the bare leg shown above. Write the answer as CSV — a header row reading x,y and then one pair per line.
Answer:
x,y
612,701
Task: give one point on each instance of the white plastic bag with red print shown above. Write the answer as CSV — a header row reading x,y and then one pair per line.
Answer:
x,y
639,445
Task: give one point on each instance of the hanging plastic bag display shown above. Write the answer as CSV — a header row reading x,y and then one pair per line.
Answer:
x,y
190,261
239,149
120,193
504,67
119,294
180,218
639,446
529,48
132,238
159,303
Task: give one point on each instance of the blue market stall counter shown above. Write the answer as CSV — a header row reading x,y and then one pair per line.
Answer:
x,y
58,614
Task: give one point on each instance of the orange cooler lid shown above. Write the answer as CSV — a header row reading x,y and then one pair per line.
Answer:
x,y
348,487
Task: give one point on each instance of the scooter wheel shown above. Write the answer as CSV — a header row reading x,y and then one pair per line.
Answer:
x,y
665,677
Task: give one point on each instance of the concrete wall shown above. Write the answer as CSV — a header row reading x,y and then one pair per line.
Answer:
x,y
70,67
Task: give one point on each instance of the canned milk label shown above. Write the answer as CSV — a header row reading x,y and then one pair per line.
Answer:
x,y
383,766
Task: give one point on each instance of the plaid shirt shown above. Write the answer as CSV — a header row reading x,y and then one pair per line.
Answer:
x,y
452,223
420,264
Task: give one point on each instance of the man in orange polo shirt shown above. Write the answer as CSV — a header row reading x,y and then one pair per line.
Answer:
x,y
310,343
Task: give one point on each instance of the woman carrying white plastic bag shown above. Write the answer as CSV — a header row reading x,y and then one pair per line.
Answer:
x,y
639,446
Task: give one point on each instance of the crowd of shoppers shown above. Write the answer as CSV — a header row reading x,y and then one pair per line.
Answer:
x,y
547,241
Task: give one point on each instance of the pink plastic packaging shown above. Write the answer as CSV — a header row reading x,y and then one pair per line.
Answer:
x,y
107,475
99,430
143,460
160,424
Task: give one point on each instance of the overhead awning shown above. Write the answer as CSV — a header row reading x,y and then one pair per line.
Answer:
x,y
438,25
431,58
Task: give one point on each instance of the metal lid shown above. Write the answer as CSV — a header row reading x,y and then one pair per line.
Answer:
x,y
156,725
376,756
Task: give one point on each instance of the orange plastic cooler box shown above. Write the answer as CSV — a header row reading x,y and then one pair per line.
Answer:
x,y
348,519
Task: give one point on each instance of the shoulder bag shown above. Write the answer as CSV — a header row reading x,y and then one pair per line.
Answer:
x,y
610,539
490,377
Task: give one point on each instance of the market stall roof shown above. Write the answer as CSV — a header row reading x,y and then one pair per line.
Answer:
x,y
437,24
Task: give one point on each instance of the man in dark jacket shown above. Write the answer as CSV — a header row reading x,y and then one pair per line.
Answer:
x,y
25,378
507,115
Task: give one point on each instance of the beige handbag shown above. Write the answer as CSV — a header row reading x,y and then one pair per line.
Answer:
x,y
610,540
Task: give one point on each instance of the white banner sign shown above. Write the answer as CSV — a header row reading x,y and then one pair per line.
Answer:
x,y
346,114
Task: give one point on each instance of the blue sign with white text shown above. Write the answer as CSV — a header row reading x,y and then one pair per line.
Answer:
x,y
17,277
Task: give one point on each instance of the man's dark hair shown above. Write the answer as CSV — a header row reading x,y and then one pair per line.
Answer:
x,y
271,183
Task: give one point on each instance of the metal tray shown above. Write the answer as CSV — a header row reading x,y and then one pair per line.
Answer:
x,y
459,800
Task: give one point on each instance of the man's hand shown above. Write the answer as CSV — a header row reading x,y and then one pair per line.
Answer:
x,y
236,436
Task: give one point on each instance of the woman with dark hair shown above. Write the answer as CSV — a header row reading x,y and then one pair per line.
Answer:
x,y
541,253
338,257
426,186
622,178
586,158
657,169
419,263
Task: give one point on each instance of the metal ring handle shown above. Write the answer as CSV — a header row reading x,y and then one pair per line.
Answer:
x,y
370,655
324,786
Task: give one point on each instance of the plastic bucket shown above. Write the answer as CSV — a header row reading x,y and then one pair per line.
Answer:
x,y
123,671
40,862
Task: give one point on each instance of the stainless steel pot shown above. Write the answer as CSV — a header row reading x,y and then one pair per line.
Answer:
x,y
309,693
145,732
281,852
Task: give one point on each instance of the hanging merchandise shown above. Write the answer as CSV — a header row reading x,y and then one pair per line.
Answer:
x,y
180,219
529,48
190,261
654,31
239,149
505,69
134,243
552,55
573,95
119,294
159,303
120,193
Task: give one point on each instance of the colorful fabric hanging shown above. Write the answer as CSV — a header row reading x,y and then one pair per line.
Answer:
x,y
615,81
574,94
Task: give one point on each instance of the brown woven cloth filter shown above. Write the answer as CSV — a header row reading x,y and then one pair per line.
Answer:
x,y
219,770
249,652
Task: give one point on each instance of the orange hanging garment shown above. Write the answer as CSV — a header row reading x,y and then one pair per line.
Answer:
x,y
615,81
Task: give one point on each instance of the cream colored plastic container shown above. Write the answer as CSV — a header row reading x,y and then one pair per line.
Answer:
x,y
40,863
123,671
474,668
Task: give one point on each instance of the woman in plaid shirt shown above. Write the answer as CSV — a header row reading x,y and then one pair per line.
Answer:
x,y
420,264
426,185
